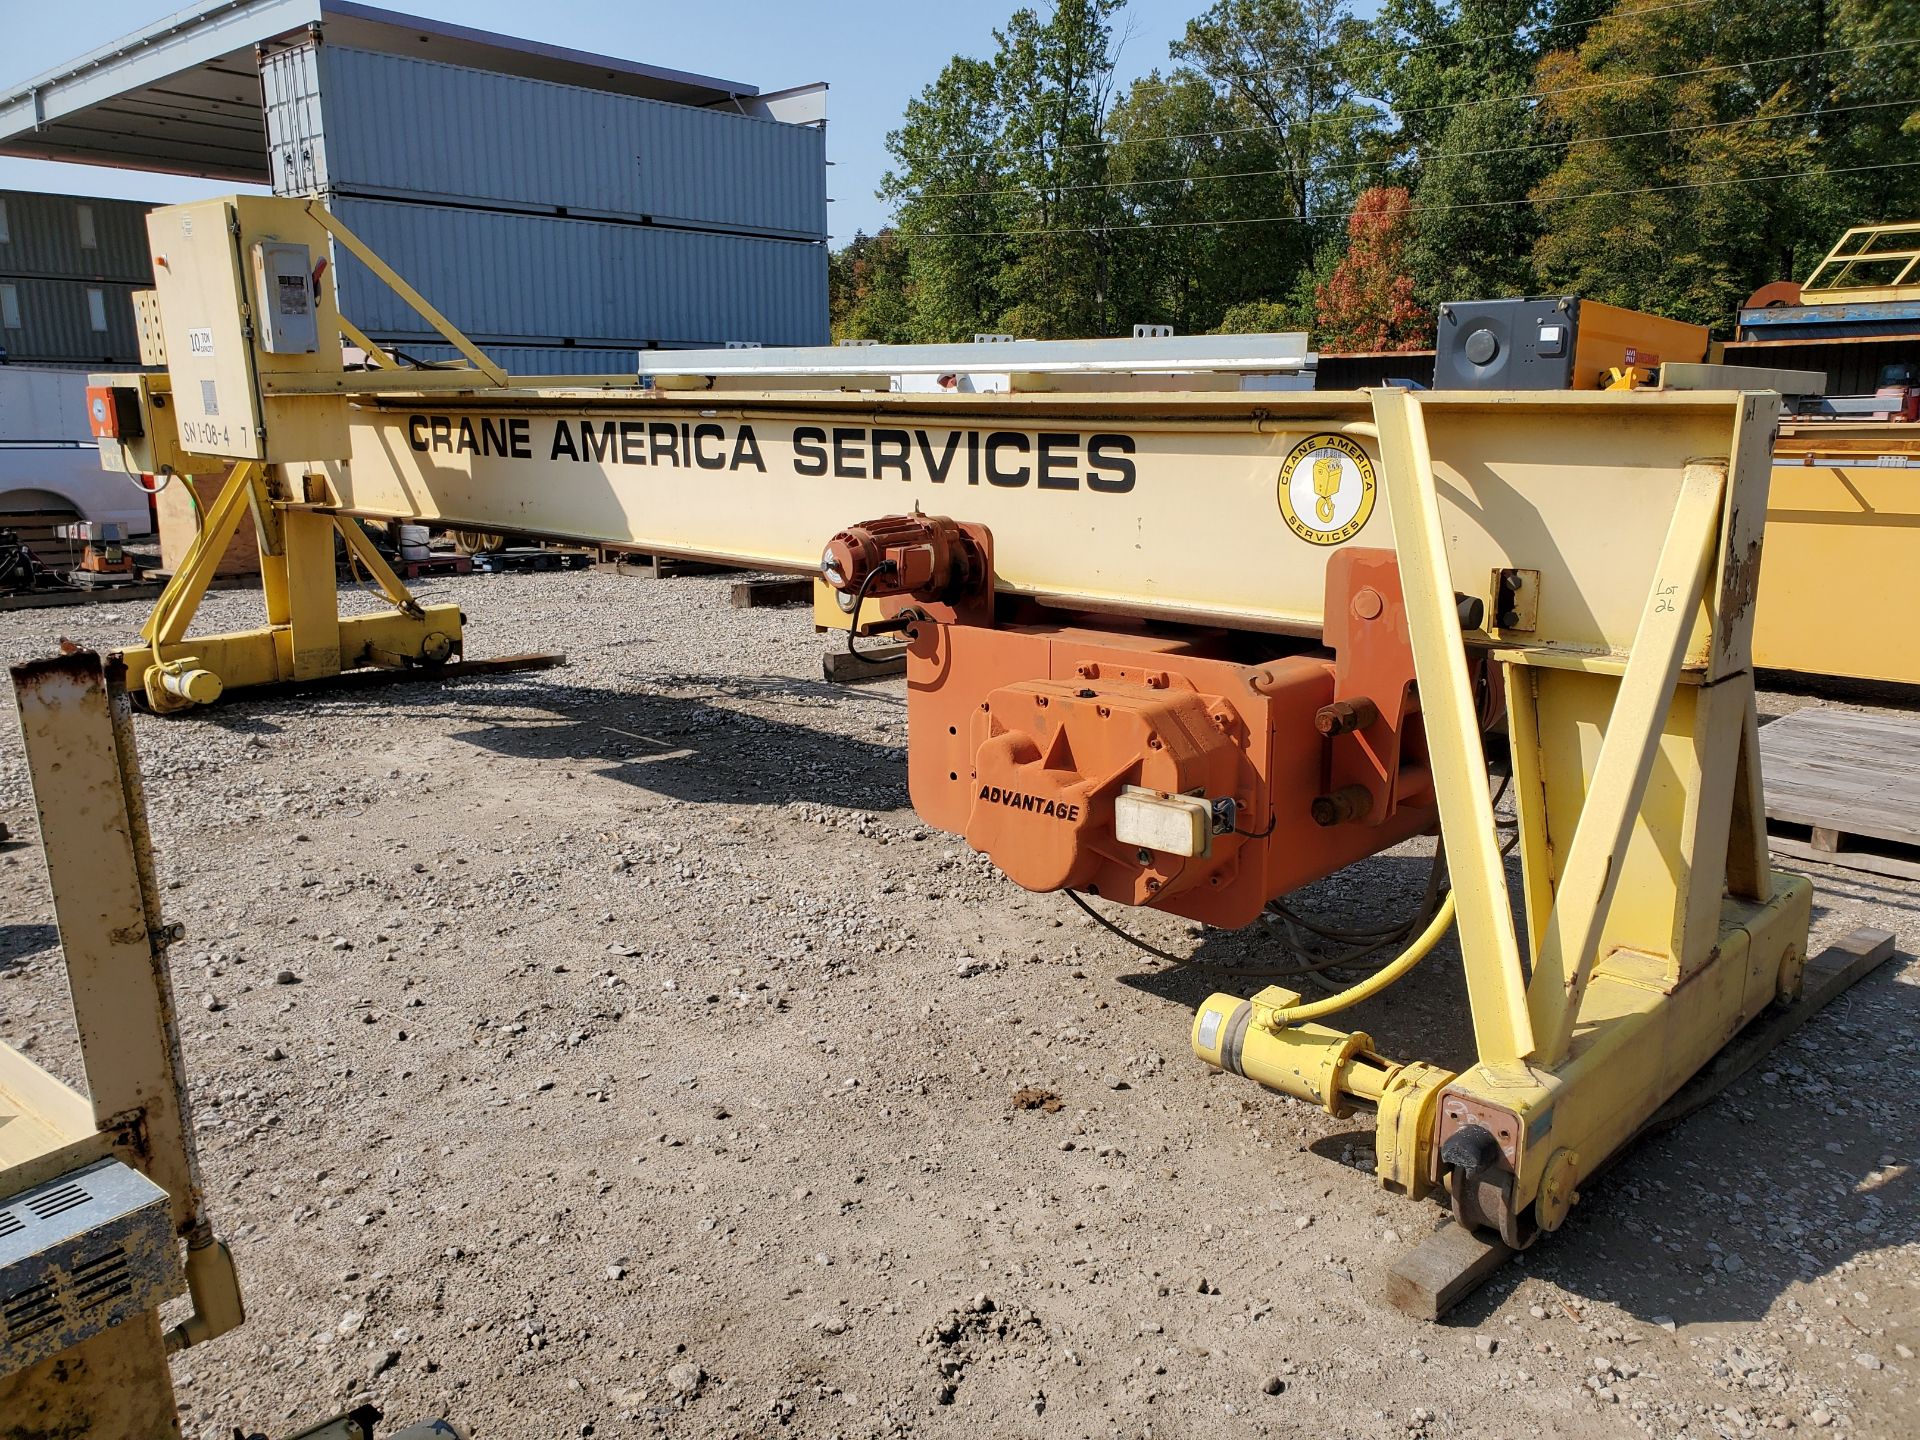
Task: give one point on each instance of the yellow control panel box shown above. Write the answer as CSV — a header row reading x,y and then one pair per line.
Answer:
x,y
245,294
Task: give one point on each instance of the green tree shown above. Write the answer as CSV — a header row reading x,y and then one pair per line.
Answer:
x,y
869,290
1467,140
1257,317
1870,119
1679,124
1288,76
1296,67
999,182
1195,183
1055,85
950,189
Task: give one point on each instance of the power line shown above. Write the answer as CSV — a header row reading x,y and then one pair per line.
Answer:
x,y
1557,25
1411,209
1431,156
1402,114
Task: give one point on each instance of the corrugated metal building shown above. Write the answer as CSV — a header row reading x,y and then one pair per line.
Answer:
x,y
68,267
554,205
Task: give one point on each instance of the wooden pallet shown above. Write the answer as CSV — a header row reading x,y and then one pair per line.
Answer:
x,y
36,529
438,563
80,595
1843,788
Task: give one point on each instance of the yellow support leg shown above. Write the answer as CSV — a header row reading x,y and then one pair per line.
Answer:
x,y
1569,943
312,635
304,638
1657,929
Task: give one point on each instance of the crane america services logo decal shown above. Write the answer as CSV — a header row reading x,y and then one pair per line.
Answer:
x,y
1327,489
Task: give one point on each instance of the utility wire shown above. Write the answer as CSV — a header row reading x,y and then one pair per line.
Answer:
x,y
1386,113
914,235
1427,45
1424,159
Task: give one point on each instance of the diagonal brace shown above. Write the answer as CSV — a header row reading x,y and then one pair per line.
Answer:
x,y
175,608
364,254
1490,951
362,550
1570,941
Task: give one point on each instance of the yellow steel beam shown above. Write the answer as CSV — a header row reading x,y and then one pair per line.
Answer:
x,y
93,829
263,656
1496,986
359,337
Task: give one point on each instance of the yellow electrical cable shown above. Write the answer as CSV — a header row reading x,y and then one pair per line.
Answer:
x,y
1366,989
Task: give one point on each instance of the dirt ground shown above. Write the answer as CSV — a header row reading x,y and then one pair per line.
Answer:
x,y
610,1051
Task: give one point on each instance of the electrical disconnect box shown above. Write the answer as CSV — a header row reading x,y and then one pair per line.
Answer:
x,y
283,279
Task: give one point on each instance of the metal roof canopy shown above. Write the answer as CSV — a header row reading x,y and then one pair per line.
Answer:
x,y
183,95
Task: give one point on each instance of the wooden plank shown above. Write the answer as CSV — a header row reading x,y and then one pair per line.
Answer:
x,y
759,594
1442,1270
665,567
1866,860
101,595
876,662
236,581
1453,1262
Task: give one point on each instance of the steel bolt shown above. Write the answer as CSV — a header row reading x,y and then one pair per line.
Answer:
x,y
1343,717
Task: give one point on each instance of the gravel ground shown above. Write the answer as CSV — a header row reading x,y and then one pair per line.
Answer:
x,y
610,1051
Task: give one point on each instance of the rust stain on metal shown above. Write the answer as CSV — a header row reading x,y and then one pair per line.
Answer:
x,y
70,664
1743,581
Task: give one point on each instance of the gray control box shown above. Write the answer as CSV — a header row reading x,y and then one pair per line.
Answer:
x,y
283,279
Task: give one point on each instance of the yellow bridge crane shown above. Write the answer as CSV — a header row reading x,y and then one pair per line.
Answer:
x,y
1186,640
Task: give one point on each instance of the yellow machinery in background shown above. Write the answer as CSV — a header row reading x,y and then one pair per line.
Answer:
x,y
1843,511
1179,636
1843,515
102,1214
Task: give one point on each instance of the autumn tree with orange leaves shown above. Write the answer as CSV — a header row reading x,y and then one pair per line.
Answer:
x,y
1367,303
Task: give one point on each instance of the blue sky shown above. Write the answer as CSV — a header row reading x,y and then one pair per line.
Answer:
x,y
874,57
